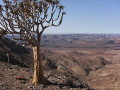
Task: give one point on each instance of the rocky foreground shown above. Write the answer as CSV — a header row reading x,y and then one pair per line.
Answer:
x,y
13,77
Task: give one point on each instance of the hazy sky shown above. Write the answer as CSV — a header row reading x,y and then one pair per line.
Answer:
x,y
89,16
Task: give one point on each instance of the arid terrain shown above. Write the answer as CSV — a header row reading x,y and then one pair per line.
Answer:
x,y
78,62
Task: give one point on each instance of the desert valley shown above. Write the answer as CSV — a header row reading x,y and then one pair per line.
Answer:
x,y
69,61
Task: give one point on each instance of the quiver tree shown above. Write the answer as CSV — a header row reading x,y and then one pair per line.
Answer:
x,y
26,20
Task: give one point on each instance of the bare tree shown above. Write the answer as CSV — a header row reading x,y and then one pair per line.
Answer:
x,y
28,19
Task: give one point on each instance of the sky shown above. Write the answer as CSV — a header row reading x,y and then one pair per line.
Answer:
x,y
89,16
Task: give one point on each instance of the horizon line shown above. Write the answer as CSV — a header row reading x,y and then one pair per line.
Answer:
x,y
76,33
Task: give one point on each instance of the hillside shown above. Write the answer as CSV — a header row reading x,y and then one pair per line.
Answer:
x,y
62,70
106,78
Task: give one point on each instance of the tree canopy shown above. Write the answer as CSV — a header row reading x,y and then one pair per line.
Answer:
x,y
30,17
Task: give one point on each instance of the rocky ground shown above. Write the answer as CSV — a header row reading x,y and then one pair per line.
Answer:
x,y
13,77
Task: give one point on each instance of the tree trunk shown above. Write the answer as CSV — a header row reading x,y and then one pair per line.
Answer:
x,y
38,77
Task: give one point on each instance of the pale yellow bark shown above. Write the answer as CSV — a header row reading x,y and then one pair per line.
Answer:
x,y
38,76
